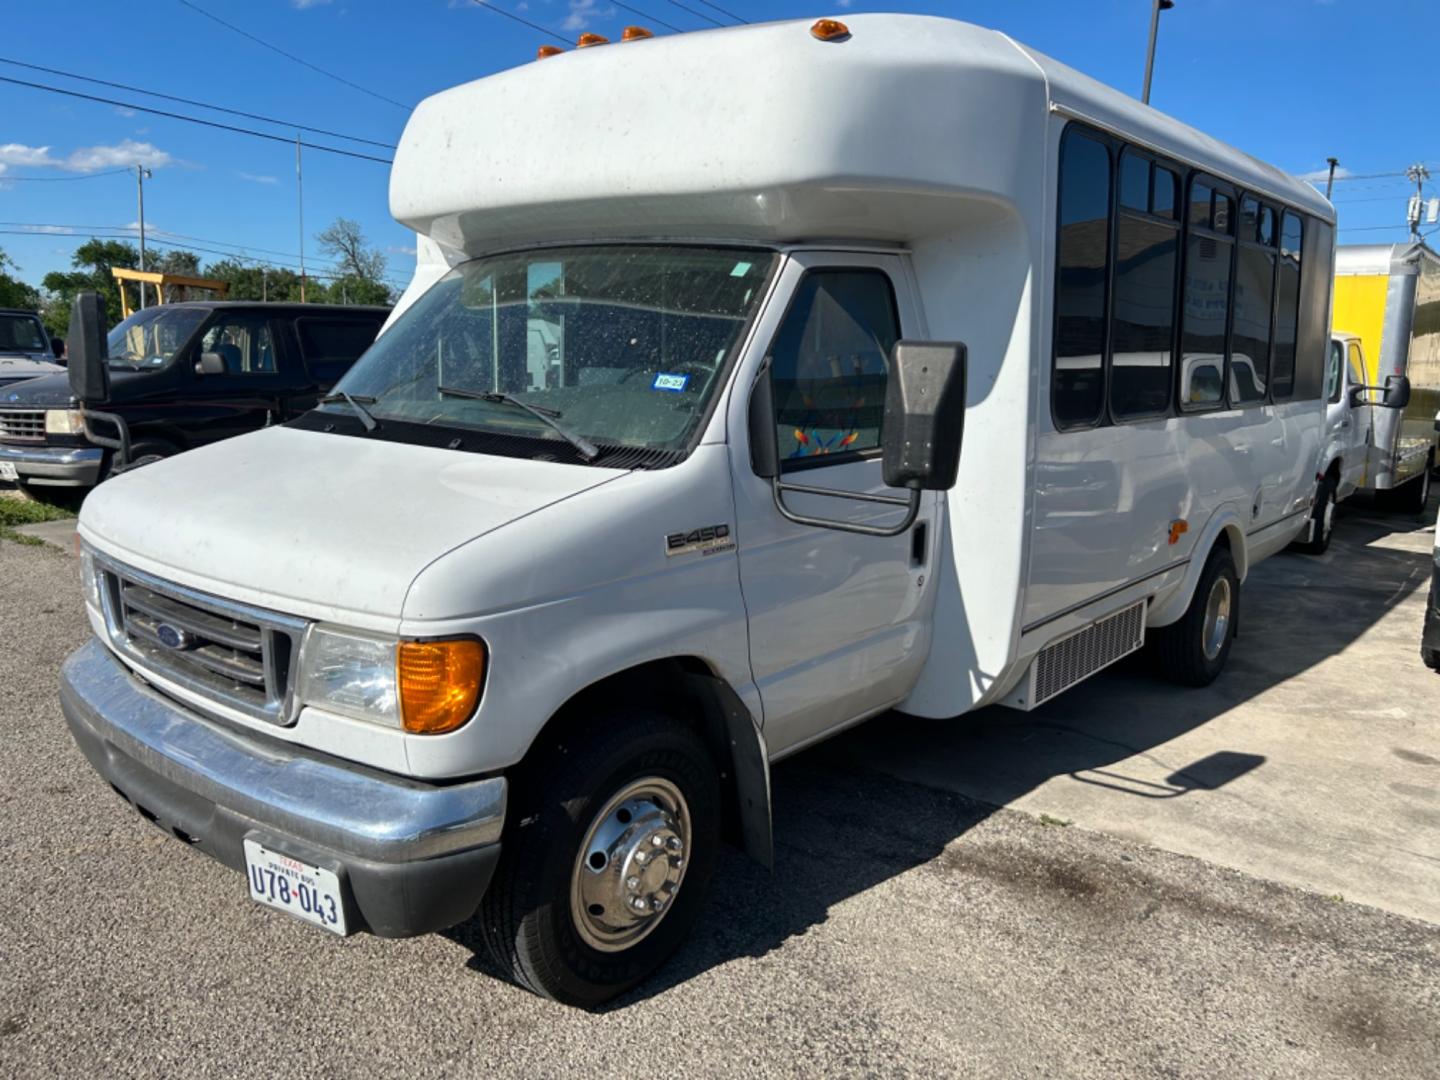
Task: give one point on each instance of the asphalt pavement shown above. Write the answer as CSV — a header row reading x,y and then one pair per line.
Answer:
x,y
907,929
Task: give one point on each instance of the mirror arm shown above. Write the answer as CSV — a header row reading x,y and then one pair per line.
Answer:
x,y
911,504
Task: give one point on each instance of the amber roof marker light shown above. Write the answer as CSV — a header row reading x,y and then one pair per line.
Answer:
x,y
548,50
830,30
635,33
587,39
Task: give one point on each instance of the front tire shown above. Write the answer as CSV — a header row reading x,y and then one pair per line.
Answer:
x,y
1193,651
605,871
1322,516
1412,497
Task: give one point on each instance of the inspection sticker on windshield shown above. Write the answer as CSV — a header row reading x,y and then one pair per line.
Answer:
x,y
711,540
674,383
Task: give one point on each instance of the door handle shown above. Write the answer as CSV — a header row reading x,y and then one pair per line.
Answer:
x,y
918,545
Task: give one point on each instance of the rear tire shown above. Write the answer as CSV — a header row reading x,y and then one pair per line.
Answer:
x,y
1322,517
1412,496
557,917
1193,651
145,452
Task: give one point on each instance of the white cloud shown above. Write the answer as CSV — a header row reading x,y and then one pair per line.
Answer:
x,y
86,158
59,230
845,3
302,5
123,111
400,249
582,12
255,178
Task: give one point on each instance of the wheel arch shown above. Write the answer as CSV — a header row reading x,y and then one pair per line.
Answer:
x,y
1223,529
688,690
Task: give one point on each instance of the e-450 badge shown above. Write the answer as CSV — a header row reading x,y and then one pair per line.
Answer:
x,y
710,540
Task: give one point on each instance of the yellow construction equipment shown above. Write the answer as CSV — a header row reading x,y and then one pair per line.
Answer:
x,y
149,277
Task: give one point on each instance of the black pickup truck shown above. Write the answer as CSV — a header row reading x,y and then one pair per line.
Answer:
x,y
182,375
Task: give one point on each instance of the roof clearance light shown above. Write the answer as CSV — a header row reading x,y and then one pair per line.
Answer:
x,y
635,33
830,30
588,39
548,50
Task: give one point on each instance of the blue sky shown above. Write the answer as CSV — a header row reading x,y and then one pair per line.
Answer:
x,y
1292,81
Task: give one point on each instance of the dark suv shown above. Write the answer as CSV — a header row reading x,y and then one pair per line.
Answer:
x,y
183,375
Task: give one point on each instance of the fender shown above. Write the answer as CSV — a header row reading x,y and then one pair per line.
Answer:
x,y
1225,520
749,760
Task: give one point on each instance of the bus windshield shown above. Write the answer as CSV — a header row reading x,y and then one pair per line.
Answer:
x,y
628,344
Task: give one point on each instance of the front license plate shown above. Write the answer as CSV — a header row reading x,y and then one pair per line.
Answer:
x,y
308,892
7,471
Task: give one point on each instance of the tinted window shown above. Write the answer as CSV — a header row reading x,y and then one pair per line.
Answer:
x,y
1204,308
831,359
1134,181
1287,304
22,333
1144,317
1167,184
1250,339
330,346
1357,367
1200,200
243,344
1077,382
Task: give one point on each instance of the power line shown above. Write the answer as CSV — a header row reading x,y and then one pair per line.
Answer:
x,y
722,11
517,18
5,178
200,104
649,18
291,56
698,14
196,120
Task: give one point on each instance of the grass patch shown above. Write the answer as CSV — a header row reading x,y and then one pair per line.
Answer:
x,y
1046,819
18,510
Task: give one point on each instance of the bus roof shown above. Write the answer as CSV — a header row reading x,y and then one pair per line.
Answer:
x,y
765,133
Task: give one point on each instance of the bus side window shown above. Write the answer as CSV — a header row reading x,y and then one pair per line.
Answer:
x,y
1077,379
1333,367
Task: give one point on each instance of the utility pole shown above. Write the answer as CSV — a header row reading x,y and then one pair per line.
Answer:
x,y
300,214
1330,181
1159,6
264,284
1417,174
141,175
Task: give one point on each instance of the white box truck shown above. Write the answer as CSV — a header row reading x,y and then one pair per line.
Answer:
x,y
655,475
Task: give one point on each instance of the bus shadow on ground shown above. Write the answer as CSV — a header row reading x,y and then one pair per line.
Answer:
x,y
845,821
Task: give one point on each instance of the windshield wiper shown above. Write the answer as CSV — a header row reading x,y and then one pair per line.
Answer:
x,y
371,424
586,448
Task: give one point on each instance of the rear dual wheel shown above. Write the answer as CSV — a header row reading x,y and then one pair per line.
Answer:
x,y
607,868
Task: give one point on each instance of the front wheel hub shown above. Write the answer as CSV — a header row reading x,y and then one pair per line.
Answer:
x,y
631,864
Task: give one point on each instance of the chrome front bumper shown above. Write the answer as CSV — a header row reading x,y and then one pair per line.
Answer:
x,y
70,466
414,857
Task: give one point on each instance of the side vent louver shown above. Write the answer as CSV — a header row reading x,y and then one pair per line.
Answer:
x,y
1066,662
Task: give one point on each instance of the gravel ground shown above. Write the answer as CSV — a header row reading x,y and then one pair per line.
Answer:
x,y
906,930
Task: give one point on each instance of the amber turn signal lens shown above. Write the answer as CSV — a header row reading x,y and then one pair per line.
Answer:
x,y
439,684
547,50
587,39
635,33
830,30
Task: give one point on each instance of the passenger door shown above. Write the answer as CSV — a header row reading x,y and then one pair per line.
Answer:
x,y
1349,423
249,388
837,627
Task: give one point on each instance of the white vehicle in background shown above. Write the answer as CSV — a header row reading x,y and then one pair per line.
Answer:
x,y
26,350
655,476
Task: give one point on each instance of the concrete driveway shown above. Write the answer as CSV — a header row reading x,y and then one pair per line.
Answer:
x,y
910,928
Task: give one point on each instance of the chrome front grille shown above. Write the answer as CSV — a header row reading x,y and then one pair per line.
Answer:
x,y
22,425
233,654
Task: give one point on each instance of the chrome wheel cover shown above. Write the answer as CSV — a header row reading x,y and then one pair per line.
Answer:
x,y
1217,618
630,865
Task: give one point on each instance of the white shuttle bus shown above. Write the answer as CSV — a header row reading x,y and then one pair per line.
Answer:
x,y
656,475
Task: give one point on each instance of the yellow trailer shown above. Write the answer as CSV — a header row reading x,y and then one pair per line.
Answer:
x,y
1388,295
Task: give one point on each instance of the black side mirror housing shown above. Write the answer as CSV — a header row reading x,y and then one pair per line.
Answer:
x,y
924,415
57,348
210,364
1397,392
89,367
764,447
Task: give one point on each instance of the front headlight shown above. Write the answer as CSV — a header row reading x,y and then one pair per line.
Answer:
x,y
64,422
423,687
350,672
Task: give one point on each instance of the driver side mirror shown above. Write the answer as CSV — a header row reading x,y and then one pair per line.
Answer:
x,y
924,421
89,368
1397,392
57,349
210,364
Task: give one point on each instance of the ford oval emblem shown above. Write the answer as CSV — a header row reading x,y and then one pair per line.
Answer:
x,y
170,637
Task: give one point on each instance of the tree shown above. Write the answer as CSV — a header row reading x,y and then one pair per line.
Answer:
x,y
249,282
15,293
174,261
92,261
362,267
